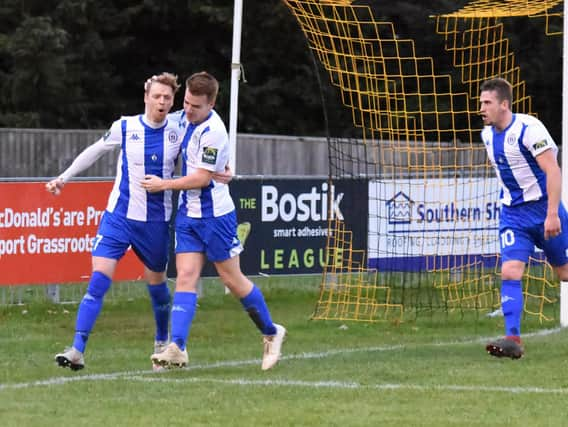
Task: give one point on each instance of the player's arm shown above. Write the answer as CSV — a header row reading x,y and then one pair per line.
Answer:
x,y
197,179
224,177
83,161
208,161
548,163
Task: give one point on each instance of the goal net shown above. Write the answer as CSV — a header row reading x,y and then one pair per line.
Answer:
x,y
409,125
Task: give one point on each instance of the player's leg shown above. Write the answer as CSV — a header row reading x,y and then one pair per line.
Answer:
x,y
512,307
517,244
189,266
556,249
92,302
252,299
223,249
160,300
189,263
150,242
88,312
109,246
184,305
250,295
512,301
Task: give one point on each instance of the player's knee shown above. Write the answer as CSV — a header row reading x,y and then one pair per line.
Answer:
x,y
511,275
239,284
512,271
99,285
187,279
154,277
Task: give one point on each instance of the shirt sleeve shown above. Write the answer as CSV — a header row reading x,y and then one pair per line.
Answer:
x,y
213,151
108,142
537,139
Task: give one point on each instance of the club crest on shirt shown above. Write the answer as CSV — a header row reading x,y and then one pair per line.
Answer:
x,y
172,137
209,155
511,139
540,144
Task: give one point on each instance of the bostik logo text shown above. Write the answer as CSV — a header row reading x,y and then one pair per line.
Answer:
x,y
302,207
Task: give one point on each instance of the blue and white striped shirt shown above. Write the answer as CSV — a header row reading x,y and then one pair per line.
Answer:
x,y
513,154
143,150
206,146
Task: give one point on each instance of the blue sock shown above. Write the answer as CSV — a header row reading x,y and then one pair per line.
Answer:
x,y
257,309
183,310
90,308
512,306
160,297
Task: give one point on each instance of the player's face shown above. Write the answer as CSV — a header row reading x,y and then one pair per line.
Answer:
x,y
196,107
159,100
492,110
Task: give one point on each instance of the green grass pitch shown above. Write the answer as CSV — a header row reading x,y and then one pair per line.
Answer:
x,y
431,371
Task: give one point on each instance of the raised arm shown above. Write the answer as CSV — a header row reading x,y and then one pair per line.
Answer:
x,y
85,159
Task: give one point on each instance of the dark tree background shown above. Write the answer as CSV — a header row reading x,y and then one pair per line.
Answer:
x,y
82,63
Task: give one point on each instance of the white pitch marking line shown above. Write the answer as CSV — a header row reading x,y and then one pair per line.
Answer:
x,y
354,385
299,356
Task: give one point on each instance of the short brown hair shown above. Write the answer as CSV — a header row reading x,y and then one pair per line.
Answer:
x,y
167,79
203,83
503,89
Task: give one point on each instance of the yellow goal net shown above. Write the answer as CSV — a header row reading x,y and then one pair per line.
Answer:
x,y
411,128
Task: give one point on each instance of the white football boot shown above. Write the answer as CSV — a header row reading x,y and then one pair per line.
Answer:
x,y
273,347
171,357
71,358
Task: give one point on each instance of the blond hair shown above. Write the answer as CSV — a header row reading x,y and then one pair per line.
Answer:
x,y
167,79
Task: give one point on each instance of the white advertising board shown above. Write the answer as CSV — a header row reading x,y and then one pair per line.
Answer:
x,y
415,220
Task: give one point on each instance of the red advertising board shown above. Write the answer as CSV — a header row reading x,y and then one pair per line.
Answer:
x,y
46,239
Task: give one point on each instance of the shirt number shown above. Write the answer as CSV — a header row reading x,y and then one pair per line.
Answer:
x,y
507,238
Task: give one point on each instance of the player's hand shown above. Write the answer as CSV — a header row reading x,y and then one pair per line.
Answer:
x,y
552,227
152,183
224,177
55,186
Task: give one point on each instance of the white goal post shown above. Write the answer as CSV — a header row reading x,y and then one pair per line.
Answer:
x,y
564,285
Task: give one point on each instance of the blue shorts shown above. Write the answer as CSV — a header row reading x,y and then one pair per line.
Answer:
x,y
215,237
522,228
149,240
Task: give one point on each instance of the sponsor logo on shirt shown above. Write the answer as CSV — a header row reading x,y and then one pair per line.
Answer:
x,y
540,144
209,155
135,137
